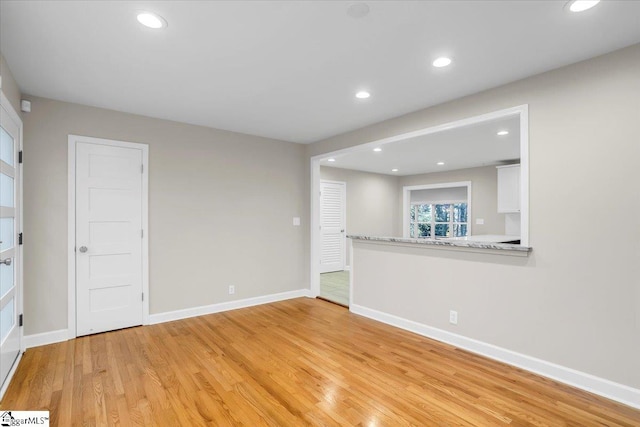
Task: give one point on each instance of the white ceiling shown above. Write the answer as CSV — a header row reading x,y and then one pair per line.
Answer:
x,y
460,148
289,69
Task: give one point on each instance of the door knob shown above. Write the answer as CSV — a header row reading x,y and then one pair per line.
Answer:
x,y
83,249
6,261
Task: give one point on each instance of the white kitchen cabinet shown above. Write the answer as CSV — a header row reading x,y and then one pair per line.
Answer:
x,y
508,188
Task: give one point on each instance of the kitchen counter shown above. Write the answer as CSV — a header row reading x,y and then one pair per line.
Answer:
x,y
492,238
470,244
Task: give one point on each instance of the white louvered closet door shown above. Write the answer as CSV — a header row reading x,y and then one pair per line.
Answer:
x,y
332,226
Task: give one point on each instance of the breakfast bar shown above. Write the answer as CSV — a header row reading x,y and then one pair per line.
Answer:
x,y
480,243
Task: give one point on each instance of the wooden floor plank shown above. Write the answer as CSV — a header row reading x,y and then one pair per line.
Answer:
x,y
292,363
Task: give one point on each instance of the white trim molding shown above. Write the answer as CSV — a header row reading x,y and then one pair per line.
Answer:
x,y
611,390
170,316
45,338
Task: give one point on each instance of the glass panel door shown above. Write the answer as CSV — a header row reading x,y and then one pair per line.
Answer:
x,y
10,291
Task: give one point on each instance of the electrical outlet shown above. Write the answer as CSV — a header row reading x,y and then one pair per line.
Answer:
x,y
479,221
453,317
232,290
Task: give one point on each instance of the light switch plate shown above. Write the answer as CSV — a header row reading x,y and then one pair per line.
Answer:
x,y
296,221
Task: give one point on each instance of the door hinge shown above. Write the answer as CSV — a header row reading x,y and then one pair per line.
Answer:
x,y
143,296
20,238
20,320
142,233
141,168
20,156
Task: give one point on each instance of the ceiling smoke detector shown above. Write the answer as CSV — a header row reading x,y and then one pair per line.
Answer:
x,y
358,10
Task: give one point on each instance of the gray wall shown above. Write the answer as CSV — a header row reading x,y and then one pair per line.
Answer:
x,y
220,210
380,196
9,86
371,202
575,300
484,195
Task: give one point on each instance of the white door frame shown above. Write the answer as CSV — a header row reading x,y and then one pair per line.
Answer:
x,y
19,272
521,110
71,254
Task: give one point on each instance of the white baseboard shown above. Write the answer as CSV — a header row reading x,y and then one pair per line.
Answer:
x,y
600,386
36,340
45,338
226,306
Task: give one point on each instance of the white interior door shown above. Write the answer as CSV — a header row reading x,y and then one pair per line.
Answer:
x,y
10,285
332,226
108,237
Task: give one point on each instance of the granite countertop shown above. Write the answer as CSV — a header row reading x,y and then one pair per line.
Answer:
x,y
493,238
452,243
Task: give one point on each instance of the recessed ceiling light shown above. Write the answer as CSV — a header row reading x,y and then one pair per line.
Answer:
x,y
503,133
363,94
443,61
151,20
581,5
440,163
394,170
377,150
331,160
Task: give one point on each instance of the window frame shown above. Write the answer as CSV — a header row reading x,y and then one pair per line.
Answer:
x,y
451,223
406,204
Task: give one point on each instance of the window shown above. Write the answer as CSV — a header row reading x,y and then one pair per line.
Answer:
x,y
438,210
430,220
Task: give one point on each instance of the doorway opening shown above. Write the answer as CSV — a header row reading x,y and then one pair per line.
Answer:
x,y
334,277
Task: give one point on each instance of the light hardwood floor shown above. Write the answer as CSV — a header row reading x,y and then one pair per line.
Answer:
x,y
292,363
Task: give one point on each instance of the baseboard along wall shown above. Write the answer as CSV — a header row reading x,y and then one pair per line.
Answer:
x,y
225,306
36,340
611,390
619,392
